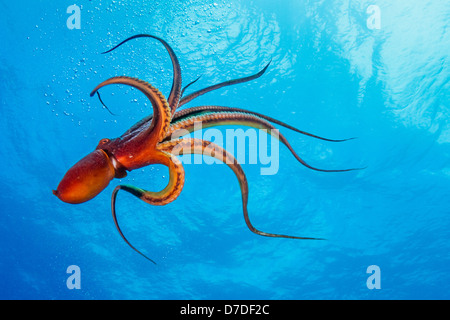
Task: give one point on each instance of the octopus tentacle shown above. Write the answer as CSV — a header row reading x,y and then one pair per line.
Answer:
x,y
175,91
228,118
184,113
161,112
201,109
163,197
113,206
189,84
198,146
198,93
103,104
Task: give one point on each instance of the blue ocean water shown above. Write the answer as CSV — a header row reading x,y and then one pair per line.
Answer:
x,y
376,70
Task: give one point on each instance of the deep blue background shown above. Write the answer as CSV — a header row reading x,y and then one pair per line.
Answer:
x,y
330,75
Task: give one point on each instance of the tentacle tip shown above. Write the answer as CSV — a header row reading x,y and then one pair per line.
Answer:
x,y
342,140
267,65
357,169
306,238
152,261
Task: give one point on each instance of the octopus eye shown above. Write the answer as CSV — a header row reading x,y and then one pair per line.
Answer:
x,y
103,141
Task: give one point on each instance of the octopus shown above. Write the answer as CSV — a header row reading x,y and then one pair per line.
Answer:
x,y
151,141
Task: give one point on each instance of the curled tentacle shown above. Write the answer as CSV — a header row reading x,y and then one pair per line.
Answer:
x,y
227,118
197,146
175,92
198,93
113,206
189,112
180,114
163,197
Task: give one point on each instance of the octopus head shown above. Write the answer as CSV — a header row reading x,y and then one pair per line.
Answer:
x,y
87,178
